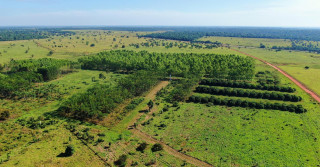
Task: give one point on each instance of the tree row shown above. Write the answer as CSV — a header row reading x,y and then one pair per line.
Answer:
x,y
245,85
247,104
246,93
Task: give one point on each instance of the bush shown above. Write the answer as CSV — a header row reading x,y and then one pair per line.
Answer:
x,y
156,147
121,161
246,93
246,104
142,147
4,115
69,151
236,84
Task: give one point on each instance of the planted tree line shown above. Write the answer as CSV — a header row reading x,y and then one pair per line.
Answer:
x,y
245,85
246,93
247,104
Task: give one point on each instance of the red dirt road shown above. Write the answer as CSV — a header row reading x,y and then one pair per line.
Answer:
x,y
302,86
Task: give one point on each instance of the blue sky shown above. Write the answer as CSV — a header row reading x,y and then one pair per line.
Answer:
x,y
275,13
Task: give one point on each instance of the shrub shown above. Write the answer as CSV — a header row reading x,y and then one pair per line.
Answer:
x,y
69,151
4,115
121,161
156,147
142,147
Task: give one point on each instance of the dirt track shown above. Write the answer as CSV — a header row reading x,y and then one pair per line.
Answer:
x,y
302,86
149,139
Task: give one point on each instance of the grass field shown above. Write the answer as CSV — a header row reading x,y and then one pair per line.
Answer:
x,y
222,136
225,136
20,50
292,62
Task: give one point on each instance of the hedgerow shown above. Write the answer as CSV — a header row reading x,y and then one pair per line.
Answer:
x,y
248,104
246,85
246,93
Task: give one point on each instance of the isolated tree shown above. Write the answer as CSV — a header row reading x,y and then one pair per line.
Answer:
x,y
101,76
4,115
262,45
69,151
121,162
92,45
156,147
150,105
306,67
50,53
142,147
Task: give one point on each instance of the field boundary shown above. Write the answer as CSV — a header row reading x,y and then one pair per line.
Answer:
x,y
314,95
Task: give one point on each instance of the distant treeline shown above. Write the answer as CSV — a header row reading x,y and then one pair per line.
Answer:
x,y
26,34
101,100
309,48
23,73
176,64
193,33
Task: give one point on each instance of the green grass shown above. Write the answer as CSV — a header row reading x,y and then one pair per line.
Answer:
x,y
225,136
17,50
45,152
293,62
236,136
309,77
219,135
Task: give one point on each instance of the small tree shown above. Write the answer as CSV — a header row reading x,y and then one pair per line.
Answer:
x,y
150,105
69,151
156,147
50,53
262,45
92,45
101,76
306,67
142,147
4,115
121,161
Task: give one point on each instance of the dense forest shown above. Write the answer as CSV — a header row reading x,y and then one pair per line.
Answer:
x,y
193,33
12,34
176,64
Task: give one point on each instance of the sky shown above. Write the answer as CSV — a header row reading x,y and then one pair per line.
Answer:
x,y
260,13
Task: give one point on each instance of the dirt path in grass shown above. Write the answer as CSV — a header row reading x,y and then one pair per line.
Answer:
x,y
170,150
150,96
149,139
298,83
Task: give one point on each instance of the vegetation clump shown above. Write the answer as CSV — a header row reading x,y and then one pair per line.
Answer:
x,y
156,147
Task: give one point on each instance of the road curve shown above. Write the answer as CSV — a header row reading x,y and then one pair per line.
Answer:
x,y
298,83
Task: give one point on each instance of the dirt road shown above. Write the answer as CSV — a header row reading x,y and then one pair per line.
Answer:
x,y
302,86
149,139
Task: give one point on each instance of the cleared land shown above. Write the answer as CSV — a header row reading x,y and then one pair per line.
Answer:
x,y
216,135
